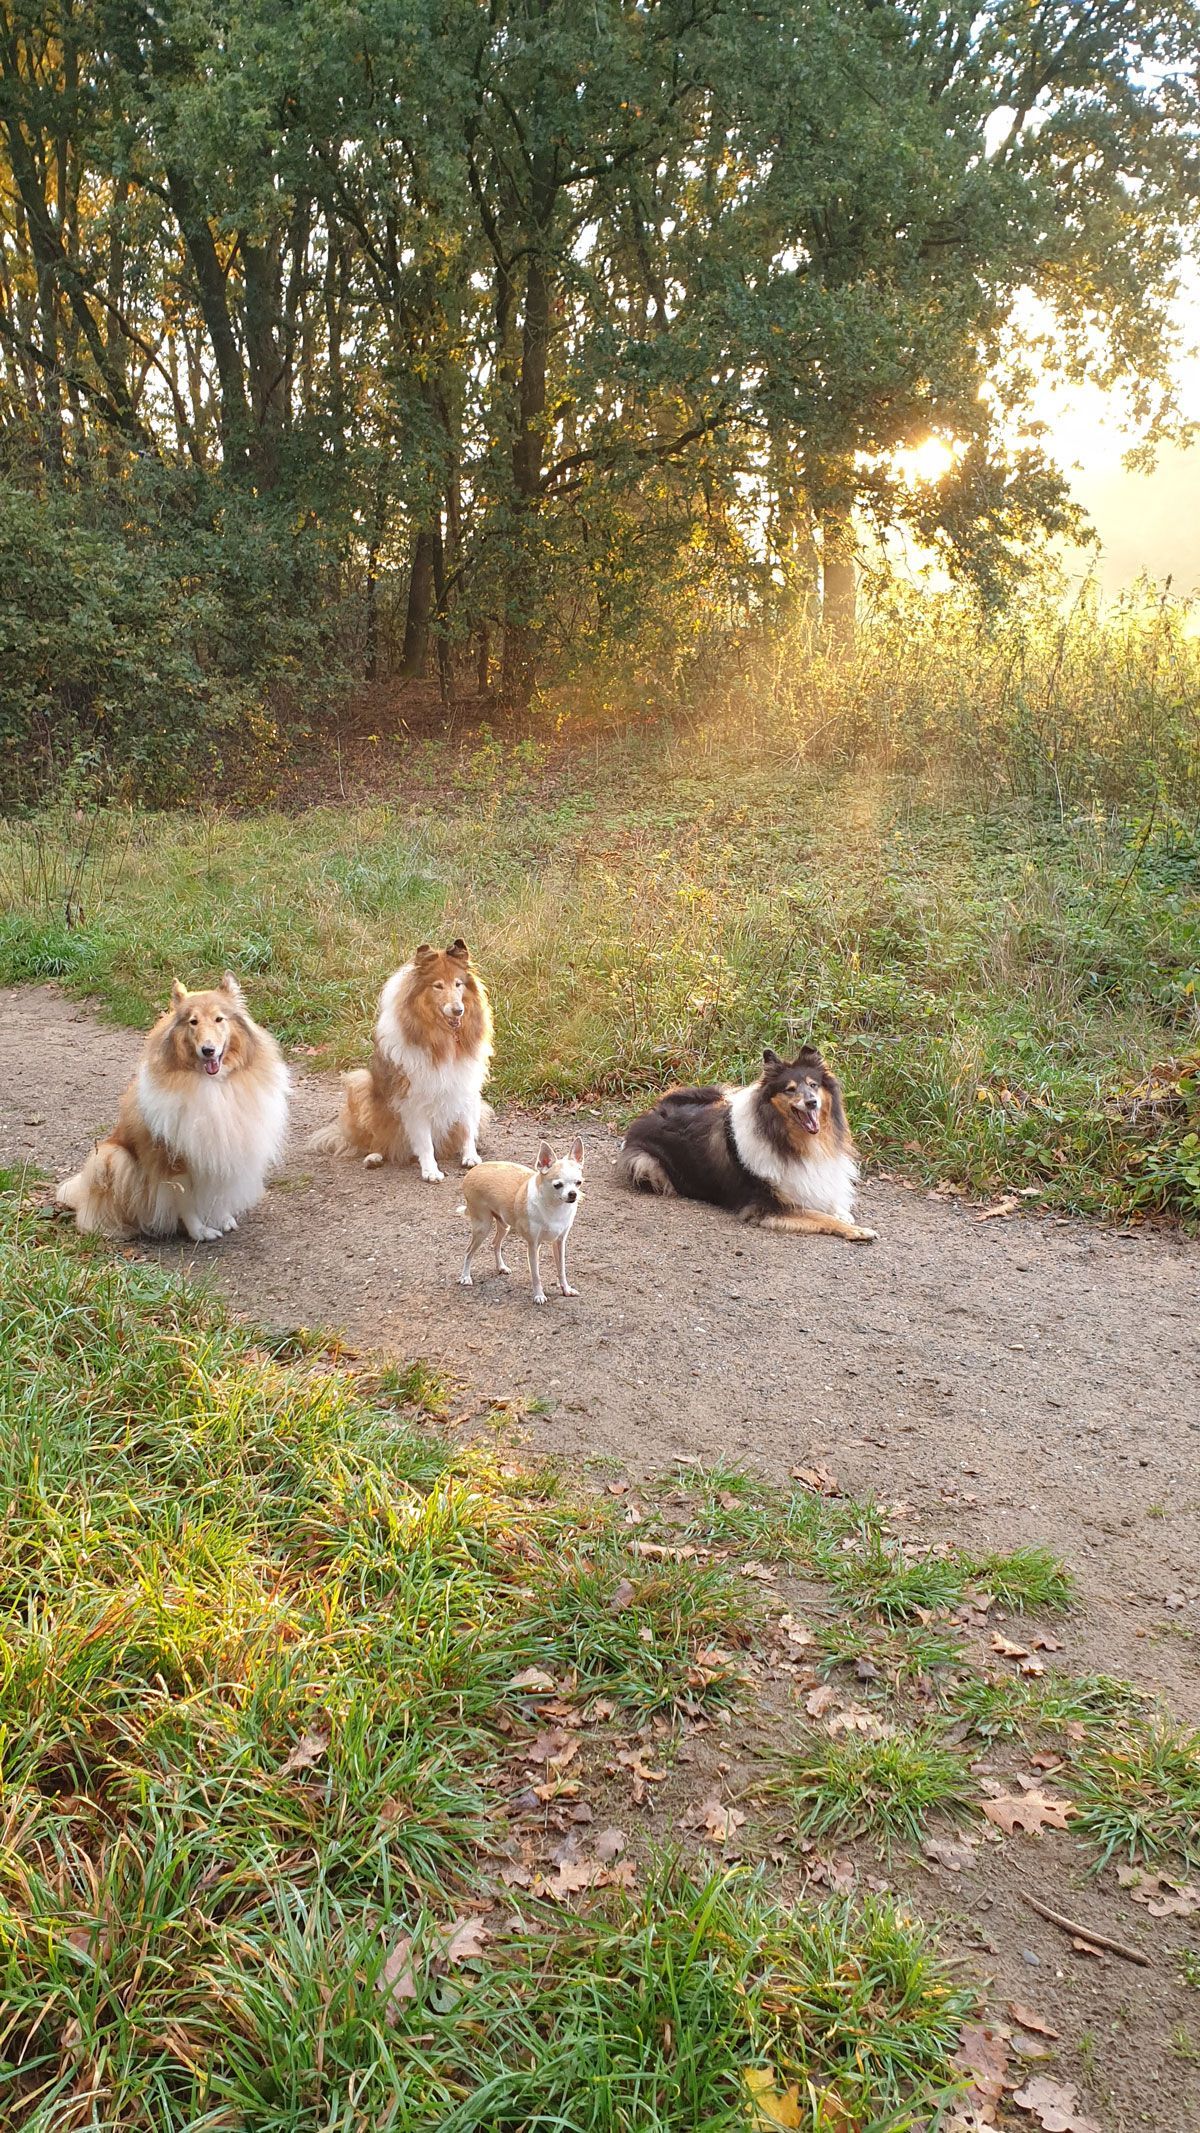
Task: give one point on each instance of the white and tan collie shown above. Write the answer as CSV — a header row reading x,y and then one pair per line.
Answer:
x,y
778,1153
197,1130
422,1095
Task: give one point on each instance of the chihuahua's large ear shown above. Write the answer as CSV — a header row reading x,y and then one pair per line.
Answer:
x,y
459,952
771,1059
577,1150
230,985
545,1157
178,993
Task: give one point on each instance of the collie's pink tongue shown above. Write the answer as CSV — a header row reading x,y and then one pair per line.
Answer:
x,y
811,1123
212,1066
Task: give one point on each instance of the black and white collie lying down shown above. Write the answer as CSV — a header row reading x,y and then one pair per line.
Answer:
x,y
778,1153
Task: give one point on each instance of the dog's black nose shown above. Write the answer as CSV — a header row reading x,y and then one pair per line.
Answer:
x,y
208,1051
572,1196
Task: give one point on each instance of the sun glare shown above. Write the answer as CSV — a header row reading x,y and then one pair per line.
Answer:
x,y
920,465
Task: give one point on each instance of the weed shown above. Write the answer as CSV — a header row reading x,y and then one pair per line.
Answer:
x,y
905,1652
1019,1706
1026,1579
1189,1968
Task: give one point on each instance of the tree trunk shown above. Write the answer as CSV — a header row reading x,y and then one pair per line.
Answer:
x,y
839,583
415,657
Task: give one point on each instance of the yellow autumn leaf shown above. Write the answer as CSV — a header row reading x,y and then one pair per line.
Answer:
x,y
772,2106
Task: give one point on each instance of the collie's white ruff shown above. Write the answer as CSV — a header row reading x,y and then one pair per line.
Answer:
x,y
817,1184
229,1131
440,1095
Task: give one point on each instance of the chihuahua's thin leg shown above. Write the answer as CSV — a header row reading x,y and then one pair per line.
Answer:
x,y
539,1294
498,1236
478,1234
560,1261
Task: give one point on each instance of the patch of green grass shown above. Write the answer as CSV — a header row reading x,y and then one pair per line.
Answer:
x,y
257,1632
1138,1793
1019,1706
1189,1968
878,1577
854,1787
903,1653
993,986
418,1385
1028,1580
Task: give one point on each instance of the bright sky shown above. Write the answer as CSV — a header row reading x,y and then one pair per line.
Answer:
x,y
1146,522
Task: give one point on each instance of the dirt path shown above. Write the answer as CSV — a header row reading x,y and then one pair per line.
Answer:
x,y
1025,1380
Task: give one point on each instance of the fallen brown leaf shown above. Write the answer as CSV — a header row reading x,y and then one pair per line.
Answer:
x,y
1030,1811
1025,2018
720,1823
1007,1649
1162,1897
1054,2105
464,1941
534,1677
623,1596
951,1852
820,1700
308,1750
1007,1206
982,2056
397,1977
609,1843
817,1478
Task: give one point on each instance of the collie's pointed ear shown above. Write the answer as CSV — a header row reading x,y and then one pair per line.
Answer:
x,y
577,1150
423,953
772,1059
810,1056
230,985
178,993
545,1157
459,952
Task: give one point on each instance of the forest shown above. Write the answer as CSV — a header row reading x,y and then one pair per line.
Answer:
x,y
508,344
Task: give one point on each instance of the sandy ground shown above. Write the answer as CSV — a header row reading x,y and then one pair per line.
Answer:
x,y
1018,1380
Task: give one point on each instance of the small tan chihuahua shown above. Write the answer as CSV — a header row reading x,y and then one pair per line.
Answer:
x,y
538,1205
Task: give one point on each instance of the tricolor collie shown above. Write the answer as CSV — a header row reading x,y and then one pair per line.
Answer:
x,y
197,1130
422,1095
778,1153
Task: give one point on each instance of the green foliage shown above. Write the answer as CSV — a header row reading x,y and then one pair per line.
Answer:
x,y
146,633
1138,1793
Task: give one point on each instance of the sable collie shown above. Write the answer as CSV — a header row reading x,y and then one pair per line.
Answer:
x,y
197,1129
421,1096
537,1205
778,1153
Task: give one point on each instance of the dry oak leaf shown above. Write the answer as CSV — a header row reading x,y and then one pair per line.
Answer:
x,y
771,2106
534,1677
720,1823
1053,2104
609,1843
1007,1206
820,1700
1030,1811
1162,1897
1025,2018
818,1478
396,1978
795,1632
982,2056
1007,1649
954,1853
308,1750
463,1941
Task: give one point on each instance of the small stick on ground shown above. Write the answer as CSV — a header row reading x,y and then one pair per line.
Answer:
x,y
1098,1940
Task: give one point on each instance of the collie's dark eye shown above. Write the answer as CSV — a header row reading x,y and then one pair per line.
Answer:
x,y
194,1021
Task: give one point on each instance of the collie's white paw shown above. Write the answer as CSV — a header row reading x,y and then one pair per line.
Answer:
x,y
202,1234
863,1236
229,1223
434,1176
470,1158
373,1162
